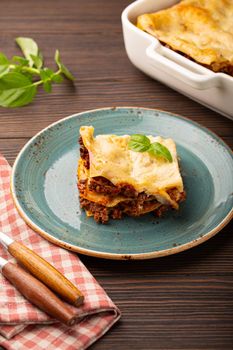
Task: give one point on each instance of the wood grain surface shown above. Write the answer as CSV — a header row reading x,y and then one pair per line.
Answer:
x,y
178,302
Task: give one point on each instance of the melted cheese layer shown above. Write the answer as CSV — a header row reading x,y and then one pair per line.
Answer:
x,y
201,29
111,158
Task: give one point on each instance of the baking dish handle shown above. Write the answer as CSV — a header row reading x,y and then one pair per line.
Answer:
x,y
159,55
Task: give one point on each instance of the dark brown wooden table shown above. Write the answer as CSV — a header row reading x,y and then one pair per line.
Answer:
x,y
183,301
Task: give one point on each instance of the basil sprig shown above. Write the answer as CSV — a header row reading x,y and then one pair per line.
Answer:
x,y
21,76
141,143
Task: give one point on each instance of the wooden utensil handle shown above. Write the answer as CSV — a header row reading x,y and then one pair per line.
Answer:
x,y
38,294
46,273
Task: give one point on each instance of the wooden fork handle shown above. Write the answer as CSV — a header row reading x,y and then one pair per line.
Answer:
x,y
38,294
46,273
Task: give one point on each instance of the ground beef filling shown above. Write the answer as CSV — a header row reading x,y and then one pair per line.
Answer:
x,y
131,208
84,153
137,204
102,185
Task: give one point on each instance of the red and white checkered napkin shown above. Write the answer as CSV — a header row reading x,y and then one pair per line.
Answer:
x,y
22,325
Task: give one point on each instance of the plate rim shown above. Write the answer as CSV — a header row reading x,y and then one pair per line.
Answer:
x,y
116,256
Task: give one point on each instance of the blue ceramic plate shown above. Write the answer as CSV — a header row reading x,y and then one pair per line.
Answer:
x,y
45,191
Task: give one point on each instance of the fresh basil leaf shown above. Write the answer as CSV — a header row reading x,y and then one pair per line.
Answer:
x,y
38,63
16,90
18,69
22,66
21,60
66,72
4,69
159,150
17,97
41,57
4,64
49,72
62,67
47,85
139,143
3,59
57,78
46,74
12,80
29,47
19,76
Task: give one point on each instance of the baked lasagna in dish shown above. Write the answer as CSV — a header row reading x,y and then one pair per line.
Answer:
x,y
202,30
114,180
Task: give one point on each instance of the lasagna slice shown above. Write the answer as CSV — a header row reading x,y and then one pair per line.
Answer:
x,y
199,29
114,181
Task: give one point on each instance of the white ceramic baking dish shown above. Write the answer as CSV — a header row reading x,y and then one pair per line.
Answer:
x,y
214,90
